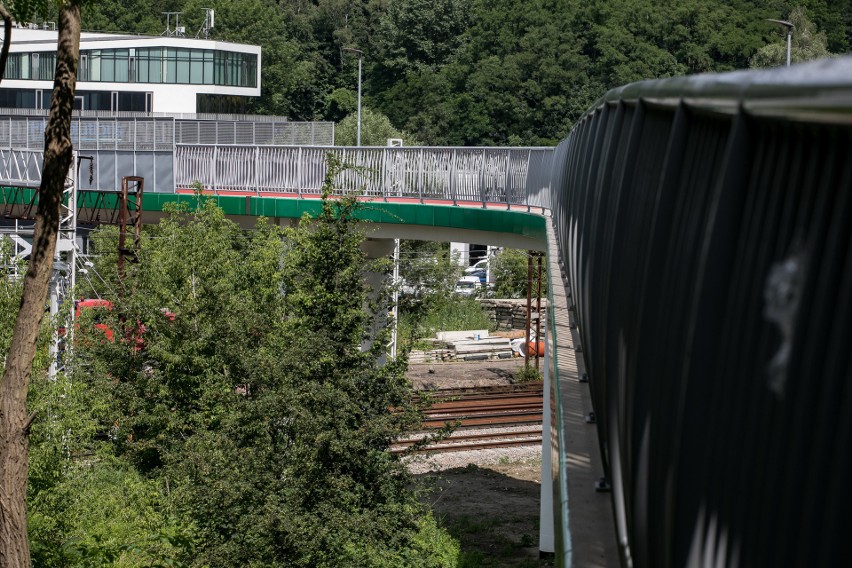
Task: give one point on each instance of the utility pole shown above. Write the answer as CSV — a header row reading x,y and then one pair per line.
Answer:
x,y
360,56
395,329
63,277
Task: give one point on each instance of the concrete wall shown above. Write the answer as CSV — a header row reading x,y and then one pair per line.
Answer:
x,y
509,314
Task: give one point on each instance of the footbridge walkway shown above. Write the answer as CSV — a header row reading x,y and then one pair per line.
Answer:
x,y
698,235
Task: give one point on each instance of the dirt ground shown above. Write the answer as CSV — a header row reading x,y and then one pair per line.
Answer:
x,y
468,374
493,510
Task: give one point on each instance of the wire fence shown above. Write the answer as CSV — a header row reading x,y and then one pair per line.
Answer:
x,y
150,133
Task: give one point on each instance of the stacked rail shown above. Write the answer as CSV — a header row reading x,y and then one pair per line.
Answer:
x,y
501,410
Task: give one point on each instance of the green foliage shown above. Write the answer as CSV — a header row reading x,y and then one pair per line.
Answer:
x,y
444,313
480,72
10,293
105,514
528,374
376,128
510,271
259,414
86,507
416,34
428,267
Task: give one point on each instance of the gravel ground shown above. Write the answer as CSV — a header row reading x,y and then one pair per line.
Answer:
x,y
440,461
426,463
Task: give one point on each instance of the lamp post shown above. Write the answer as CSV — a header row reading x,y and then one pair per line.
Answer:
x,y
789,26
360,56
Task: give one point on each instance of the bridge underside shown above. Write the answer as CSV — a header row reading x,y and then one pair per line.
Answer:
x,y
490,225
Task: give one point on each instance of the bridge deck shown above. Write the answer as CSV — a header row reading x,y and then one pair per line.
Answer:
x,y
588,538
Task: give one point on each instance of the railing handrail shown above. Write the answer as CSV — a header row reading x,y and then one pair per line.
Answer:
x,y
800,90
392,148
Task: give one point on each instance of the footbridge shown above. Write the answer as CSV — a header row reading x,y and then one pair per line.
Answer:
x,y
698,406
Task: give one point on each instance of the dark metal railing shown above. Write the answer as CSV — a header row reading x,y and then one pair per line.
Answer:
x,y
705,224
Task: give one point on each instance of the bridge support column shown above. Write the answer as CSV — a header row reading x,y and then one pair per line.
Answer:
x,y
463,251
377,248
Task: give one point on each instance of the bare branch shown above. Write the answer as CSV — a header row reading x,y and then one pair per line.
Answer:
x,y
28,424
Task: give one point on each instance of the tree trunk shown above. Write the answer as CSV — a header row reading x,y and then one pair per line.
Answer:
x,y
7,39
14,423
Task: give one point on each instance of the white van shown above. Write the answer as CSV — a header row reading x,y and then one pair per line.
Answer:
x,y
467,285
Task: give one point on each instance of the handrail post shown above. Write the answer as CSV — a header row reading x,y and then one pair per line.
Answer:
x,y
506,182
420,176
299,172
482,179
527,184
386,175
452,185
213,168
257,170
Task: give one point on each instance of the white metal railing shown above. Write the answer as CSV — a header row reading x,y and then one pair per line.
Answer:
x,y
514,176
511,176
20,167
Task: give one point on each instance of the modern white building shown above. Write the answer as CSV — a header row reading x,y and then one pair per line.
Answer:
x,y
152,74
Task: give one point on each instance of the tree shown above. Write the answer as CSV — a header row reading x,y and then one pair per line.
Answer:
x,y
417,34
10,293
262,401
376,128
807,43
510,268
14,421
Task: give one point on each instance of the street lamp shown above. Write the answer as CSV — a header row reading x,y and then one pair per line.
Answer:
x,y
360,55
789,26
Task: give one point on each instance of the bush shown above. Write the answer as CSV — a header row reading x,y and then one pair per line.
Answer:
x,y
105,513
443,313
528,374
510,274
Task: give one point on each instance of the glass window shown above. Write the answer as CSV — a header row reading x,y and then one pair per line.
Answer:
x,y
183,66
142,71
107,66
155,71
18,66
208,72
95,65
26,99
171,71
83,69
47,68
196,66
121,57
219,68
131,101
145,65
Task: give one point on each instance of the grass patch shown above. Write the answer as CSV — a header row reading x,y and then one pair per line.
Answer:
x,y
439,313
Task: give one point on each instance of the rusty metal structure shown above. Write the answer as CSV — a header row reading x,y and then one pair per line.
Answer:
x,y
131,190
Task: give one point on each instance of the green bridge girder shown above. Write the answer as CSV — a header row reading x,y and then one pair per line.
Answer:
x,y
521,224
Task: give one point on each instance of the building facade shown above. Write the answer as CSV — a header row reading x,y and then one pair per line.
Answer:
x,y
129,73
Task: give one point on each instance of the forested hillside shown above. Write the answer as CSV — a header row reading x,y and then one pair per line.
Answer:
x,y
474,72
